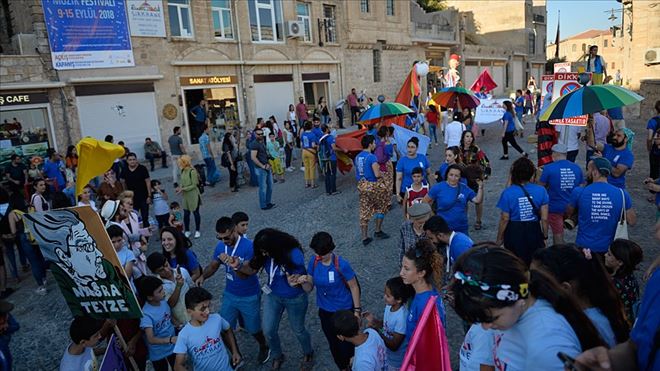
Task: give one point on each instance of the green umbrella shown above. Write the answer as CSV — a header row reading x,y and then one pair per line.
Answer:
x,y
589,99
379,111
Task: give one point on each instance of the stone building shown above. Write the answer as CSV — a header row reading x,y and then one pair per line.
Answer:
x,y
505,37
247,59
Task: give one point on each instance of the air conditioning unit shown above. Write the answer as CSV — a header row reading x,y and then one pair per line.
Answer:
x,y
652,56
24,44
295,29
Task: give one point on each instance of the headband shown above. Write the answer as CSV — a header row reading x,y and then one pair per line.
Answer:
x,y
501,292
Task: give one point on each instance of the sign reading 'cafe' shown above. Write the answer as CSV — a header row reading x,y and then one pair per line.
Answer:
x,y
15,99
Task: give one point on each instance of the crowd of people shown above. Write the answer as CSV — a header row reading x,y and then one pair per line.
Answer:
x,y
521,300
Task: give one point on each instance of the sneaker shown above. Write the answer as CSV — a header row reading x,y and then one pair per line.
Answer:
x,y
264,355
504,158
367,241
302,168
382,235
275,181
41,290
187,234
197,234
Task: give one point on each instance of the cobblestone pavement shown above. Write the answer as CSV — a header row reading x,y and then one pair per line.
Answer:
x,y
44,320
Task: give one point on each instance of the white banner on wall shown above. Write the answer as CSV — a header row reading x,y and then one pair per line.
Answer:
x,y
490,111
146,18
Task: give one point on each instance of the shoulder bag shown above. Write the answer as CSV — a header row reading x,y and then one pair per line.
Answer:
x,y
622,224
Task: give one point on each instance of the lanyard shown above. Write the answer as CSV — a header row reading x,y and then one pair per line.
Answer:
x,y
271,274
235,247
451,237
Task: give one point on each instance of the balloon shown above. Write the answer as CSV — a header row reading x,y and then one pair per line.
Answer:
x,y
422,69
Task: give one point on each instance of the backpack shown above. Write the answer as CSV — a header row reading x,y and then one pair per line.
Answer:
x,y
324,152
335,260
201,177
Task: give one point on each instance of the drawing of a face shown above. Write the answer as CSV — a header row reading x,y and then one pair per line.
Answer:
x,y
83,257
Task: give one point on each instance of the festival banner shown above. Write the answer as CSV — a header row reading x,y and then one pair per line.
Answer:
x,y
547,84
490,111
88,34
84,262
563,84
113,360
146,18
563,67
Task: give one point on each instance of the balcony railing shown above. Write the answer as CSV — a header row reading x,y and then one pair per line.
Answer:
x,y
431,31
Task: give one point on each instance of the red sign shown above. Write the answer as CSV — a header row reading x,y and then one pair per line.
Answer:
x,y
563,84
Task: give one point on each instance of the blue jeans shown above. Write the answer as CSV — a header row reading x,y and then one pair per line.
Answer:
x,y
212,173
246,307
330,173
325,119
37,262
296,309
11,256
265,178
433,133
253,174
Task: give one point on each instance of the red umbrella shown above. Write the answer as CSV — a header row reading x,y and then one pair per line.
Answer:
x,y
484,80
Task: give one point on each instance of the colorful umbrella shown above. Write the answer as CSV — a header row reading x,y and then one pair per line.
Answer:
x,y
485,80
589,99
380,111
450,97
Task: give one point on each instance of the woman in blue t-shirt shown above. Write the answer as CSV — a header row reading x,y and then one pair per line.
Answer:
x,y
534,317
509,132
280,255
422,268
523,226
405,166
336,289
451,198
585,277
452,157
309,142
177,249
373,194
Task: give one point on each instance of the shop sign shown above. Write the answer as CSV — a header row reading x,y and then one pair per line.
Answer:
x,y
207,80
16,99
146,18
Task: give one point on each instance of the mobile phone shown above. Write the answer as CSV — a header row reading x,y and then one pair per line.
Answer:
x,y
176,185
569,362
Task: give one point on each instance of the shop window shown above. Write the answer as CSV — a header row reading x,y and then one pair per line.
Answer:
x,y
329,23
220,109
390,7
314,91
364,6
222,21
377,64
25,133
303,16
180,18
266,23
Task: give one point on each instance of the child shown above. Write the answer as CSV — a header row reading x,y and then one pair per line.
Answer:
x,y
200,339
477,350
393,326
416,192
274,158
84,199
176,217
125,255
161,208
241,220
176,284
85,333
34,172
156,323
369,346
621,260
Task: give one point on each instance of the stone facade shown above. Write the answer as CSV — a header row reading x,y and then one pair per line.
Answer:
x,y
644,35
576,49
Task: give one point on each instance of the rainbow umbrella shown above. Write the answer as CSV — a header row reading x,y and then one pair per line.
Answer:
x,y
589,99
454,96
380,111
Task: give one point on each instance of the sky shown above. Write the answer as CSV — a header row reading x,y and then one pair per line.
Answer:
x,y
579,16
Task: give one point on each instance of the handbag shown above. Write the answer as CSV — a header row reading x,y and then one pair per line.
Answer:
x,y
622,224
518,124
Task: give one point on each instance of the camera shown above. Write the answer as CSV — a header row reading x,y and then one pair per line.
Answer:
x,y
570,223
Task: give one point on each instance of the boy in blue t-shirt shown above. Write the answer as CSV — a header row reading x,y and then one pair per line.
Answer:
x,y
206,337
156,323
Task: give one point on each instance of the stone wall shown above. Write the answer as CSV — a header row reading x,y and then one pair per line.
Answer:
x,y
650,90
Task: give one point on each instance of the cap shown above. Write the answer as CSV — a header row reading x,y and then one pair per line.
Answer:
x,y
419,210
109,209
6,307
602,164
560,148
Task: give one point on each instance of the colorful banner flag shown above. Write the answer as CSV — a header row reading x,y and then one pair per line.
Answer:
x,y
428,349
113,360
94,158
84,262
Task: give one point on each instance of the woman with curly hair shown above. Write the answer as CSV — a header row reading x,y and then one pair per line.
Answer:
x,y
177,250
477,166
422,267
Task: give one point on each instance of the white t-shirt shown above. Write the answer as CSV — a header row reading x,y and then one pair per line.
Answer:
x,y
83,362
477,348
395,323
204,345
533,342
92,204
573,132
179,311
370,356
453,133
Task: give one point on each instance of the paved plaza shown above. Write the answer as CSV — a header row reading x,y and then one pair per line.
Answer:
x,y
44,321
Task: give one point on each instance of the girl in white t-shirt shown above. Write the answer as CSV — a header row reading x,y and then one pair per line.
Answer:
x,y
84,199
393,326
533,317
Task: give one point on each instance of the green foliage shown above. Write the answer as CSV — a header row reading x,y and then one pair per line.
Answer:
x,y
432,5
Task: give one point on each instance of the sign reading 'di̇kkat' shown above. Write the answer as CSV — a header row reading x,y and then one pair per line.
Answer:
x,y
88,34
84,262
563,84
547,83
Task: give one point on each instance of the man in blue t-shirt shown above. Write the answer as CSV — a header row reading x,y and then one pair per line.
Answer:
x,y
328,148
54,168
199,114
454,243
316,129
519,104
599,207
241,296
618,154
560,177
653,148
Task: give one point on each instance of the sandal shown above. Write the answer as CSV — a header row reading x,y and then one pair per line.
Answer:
x,y
477,226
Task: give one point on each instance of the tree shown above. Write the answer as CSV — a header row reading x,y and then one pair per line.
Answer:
x,y
432,5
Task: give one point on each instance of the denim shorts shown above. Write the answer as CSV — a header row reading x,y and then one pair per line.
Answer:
x,y
246,306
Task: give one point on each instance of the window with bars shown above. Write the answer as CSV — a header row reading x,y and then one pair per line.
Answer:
x,y
329,23
531,47
389,7
377,64
303,16
222,20
180,18
364,6
266,24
